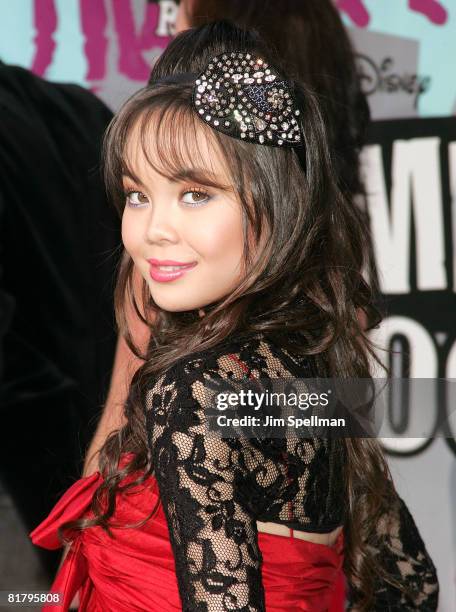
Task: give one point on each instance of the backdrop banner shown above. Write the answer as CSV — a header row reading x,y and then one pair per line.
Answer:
x,y
405,47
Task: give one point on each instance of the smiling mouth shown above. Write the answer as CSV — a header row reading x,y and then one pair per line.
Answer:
x,y
171,268
168,273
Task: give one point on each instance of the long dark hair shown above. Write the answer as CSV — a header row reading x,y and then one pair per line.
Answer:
x,y
308,283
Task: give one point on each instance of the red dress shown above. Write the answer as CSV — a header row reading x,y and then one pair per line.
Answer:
x,y
135,572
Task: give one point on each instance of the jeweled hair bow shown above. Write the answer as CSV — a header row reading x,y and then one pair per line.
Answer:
x,y
241,95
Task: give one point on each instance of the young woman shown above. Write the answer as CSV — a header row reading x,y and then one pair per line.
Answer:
x,y
313,45
250,257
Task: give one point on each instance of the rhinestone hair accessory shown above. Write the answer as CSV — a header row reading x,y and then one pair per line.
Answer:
x,y
241,95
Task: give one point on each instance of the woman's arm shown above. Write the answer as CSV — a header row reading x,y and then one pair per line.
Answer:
x,y
125,366
203,482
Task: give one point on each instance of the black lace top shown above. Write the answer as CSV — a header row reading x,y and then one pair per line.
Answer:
x,y
213,490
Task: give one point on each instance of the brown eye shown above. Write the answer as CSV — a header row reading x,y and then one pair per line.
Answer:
x,y
136,198
195,197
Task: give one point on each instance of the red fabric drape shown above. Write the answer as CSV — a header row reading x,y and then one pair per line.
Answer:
x,y
135,571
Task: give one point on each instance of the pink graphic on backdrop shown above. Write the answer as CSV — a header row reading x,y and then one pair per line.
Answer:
x,y
93,23
133,41
132,44
356,10
358,13
432,9
45,22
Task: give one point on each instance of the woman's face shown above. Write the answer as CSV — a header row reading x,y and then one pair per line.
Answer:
x,y
180,220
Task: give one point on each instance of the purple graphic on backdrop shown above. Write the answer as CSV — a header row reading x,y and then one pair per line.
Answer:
x,y
432,9
132,40
358,13
94,20
133,43
356,10
45,22
109,46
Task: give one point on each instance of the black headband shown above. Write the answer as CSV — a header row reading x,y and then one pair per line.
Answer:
x,y
242,96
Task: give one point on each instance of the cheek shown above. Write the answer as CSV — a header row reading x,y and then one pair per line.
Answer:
x,y
130,234
220,237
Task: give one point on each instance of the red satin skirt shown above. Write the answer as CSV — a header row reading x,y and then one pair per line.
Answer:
x,y
135,571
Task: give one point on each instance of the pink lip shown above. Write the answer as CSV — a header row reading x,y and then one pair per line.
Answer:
x,y
169,262
165,276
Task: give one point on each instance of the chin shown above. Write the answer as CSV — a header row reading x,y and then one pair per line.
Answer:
x,y
174,305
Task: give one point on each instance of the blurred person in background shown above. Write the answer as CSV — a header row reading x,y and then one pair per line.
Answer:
x,y
310,39
59,244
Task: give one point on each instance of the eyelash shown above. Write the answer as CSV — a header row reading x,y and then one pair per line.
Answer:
x,y
129,192
200,192
127,195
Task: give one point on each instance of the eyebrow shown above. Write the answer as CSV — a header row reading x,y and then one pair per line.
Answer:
x,y
199,175
129,174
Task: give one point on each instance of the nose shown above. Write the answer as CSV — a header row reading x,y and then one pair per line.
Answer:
x,y
161,224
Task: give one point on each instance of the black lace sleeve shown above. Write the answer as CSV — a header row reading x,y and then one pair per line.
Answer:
x,y
401,547
212,533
